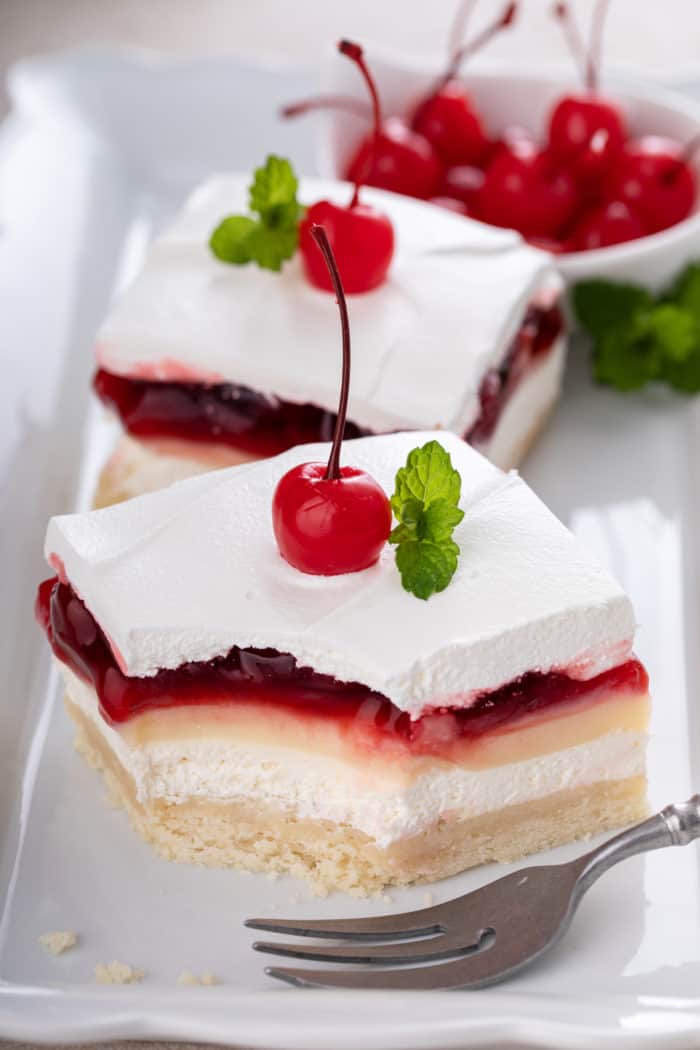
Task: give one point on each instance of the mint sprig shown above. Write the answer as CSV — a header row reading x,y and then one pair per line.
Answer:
x,y
272,236
639,338
426,506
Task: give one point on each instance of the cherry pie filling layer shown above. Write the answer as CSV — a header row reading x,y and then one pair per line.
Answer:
x,y
274,681
230,414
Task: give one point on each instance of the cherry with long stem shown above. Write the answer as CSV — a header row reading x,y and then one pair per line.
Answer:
x,y
320,237
362,237
329,519
354,52
445,115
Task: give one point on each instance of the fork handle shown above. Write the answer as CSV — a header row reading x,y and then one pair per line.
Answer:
x,y
676,825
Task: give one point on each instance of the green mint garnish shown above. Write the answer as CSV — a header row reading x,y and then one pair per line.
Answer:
x,y
639,338
270,237
426,505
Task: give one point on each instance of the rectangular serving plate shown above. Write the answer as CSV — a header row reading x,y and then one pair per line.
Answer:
x,y
100,150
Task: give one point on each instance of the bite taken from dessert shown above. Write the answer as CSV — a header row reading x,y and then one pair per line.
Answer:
x,y
218,353
370,662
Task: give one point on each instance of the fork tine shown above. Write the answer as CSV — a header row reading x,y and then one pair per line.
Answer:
x,y
442,947
419,923
475,970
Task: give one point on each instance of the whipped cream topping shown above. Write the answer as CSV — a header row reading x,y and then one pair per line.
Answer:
x,y
385,808
455,297
188,572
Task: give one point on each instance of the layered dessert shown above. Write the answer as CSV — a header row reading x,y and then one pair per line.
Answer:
x,y
327,722
209,365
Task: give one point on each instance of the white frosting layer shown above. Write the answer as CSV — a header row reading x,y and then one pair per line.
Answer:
x,y
186,573
327,789
455,297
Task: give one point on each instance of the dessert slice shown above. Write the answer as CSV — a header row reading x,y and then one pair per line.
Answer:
x,y
335,726
209,365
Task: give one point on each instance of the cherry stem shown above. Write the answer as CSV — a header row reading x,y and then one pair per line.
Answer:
x,y
562,11
356,106
595,47
355,54
319,235
459,26
505,19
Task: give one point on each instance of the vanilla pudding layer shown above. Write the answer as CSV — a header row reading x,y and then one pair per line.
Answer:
x,y
196,768
138,465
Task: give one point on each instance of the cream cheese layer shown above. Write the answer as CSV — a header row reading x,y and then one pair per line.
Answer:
x,y
326,788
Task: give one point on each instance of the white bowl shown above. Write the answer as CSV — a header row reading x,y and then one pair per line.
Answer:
x,y
505,99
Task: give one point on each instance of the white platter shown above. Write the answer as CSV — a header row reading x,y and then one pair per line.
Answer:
x,y
100,150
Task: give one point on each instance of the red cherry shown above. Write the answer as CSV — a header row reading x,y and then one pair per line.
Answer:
x,y
362,240
526,190
449,122
329,520
327,526
400,160
586,132
362,237
653,177
461,183
605,225
446,117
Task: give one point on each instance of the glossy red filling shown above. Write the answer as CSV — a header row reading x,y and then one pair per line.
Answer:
x,y
235,415
273,678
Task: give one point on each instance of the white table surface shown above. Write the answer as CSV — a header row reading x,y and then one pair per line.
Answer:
x,y
660,40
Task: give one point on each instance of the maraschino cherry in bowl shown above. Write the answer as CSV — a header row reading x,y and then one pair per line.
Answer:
x,y
512,104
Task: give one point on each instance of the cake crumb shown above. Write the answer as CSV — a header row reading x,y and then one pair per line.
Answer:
x,y
428,899
319,890
272,876
386,899
58,941
117,973
207,979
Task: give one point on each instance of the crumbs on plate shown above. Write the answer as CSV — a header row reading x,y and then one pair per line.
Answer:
x,y
117,973
206,979
58,941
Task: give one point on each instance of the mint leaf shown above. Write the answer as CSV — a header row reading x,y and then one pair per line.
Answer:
x,y
428,475
274,184
685,291
602,305
675,330
624,360
228,242
639,339
271,238
439,520
270,248
426,567
425,499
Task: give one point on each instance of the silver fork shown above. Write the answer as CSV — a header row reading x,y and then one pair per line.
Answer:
x,y
488,935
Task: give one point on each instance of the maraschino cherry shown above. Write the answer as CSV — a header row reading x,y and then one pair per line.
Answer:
x,y
446,117
605,225
396,159
329,519
524,188
653,176
362,237
586,132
